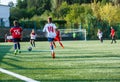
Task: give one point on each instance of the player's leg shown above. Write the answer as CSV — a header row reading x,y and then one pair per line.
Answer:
x,y
52,47
18,45
58,39
54,44
114,39
31,42
52,50
61,44
15,45
101,39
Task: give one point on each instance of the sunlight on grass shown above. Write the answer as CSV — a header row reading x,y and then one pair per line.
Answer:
x,y
78,61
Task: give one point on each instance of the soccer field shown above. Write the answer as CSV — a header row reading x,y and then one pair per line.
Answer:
x,y
88,61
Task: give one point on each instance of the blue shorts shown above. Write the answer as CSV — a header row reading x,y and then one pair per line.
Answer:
x,y
50,39
16,40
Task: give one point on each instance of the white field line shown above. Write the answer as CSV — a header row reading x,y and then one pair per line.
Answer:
x,y
26,79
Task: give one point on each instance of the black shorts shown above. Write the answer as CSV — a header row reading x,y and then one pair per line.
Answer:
x,y
16,40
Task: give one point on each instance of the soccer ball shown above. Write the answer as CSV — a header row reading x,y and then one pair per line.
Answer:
x,y
29,48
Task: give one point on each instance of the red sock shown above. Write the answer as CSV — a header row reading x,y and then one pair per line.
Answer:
x,y
61,44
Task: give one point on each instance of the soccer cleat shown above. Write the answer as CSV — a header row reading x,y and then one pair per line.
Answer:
x,y
19,51
15,52
53,55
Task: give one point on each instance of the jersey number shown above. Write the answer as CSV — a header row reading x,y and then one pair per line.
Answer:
x,y
17,32
50,29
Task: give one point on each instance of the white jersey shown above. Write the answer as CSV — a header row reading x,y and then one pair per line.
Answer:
x,y
33,36
50,29
99,34
9,37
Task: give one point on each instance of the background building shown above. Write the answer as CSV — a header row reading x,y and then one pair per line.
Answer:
x,y
4,15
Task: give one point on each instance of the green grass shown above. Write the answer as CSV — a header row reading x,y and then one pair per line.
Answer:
x,y
88,61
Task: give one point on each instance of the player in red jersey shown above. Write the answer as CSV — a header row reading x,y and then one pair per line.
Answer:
x,y
58,38
112,34
16,33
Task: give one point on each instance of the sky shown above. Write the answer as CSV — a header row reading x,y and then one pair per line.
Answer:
x,y
5,2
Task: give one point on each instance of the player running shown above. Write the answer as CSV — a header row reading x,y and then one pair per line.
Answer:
x,y
32,38
112,34
50,29
16,33
100,35
58,38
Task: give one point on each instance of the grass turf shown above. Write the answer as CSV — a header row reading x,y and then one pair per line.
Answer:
x,y
78,61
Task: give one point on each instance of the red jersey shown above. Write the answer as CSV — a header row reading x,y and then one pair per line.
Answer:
x,y
57,38
112,32
58,33
16,32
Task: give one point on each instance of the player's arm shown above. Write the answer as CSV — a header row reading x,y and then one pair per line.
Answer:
x,y
11,31
21,33
60,35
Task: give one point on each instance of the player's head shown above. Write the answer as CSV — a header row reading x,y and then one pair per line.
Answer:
x,y
111,27
33,30
99,30
49,19
15,22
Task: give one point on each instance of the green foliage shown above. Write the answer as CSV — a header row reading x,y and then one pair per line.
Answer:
x,y
78,14
63,10
91,15
28,24
39,5
21,4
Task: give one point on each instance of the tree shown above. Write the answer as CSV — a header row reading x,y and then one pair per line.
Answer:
x,y
110,13
63,10
76,15
21,4
39,5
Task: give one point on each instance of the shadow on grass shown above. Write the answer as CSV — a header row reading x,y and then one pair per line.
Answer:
x,y
83,80
4,49
70,80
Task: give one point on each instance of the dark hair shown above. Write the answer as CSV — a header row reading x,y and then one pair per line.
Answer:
x,y
50,19
15,22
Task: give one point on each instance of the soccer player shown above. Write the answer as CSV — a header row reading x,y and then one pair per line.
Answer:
x,y
6,37
50,29
58,38
32,38
16,33
100,35
112,34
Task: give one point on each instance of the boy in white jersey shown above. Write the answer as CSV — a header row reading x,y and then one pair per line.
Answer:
x,y
51,34
32,38
100,34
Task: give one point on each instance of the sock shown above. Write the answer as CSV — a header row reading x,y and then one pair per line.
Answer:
x,y
51,46
61,44
18,45
15,46
54,44
34,43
